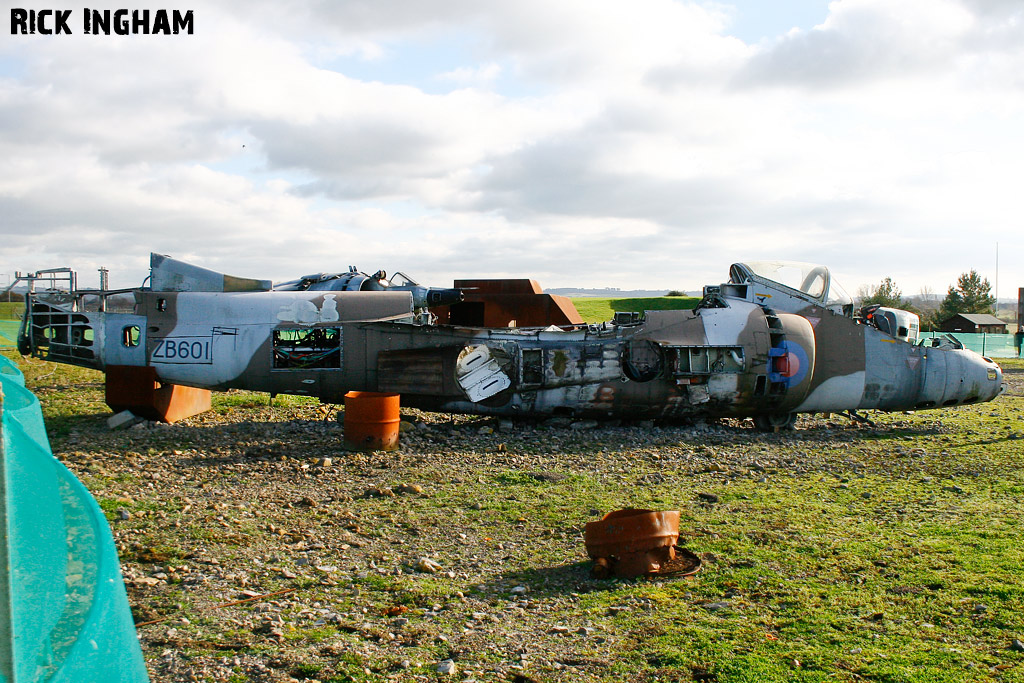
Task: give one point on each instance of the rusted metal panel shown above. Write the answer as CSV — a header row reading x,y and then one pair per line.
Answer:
x,y
507,303
429,372
136,389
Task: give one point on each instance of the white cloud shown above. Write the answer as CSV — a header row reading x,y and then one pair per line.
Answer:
x,y
480,76
865,41
583,143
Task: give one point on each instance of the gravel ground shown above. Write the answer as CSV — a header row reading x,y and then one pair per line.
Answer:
x,y
255,548
1014,380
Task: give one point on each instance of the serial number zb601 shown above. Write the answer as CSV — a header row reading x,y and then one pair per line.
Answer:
x,y
183,350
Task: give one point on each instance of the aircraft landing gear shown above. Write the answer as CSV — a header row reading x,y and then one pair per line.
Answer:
x,y
775,422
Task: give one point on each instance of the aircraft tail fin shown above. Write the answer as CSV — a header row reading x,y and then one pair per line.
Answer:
x,y
171,275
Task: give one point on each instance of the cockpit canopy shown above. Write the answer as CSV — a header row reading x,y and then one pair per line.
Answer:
x,y
807,281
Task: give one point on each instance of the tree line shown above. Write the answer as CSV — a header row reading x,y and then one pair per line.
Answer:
x,y
971,294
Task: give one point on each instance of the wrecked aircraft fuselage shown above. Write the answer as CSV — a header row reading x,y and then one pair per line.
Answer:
x,y
753,347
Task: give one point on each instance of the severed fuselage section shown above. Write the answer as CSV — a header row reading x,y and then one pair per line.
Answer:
x,y
776,340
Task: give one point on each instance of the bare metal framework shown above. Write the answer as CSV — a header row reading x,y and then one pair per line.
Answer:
x,y
55,325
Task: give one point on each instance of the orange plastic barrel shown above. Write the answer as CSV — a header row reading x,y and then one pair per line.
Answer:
x,y
371,421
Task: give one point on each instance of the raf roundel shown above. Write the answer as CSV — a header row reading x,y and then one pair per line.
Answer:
x,y
794,368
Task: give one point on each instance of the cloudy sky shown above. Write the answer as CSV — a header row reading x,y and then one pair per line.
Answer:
x,y
587,143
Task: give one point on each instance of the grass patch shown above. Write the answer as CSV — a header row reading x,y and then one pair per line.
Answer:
x,y
71,397
595,309
836,552
11,310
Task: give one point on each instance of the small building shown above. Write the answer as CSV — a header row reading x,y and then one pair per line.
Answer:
x,y
974,323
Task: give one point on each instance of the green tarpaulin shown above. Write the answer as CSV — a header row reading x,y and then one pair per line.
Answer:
x,y
9,333
64,614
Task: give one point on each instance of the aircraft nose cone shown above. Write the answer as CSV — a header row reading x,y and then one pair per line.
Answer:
x,y
999,379
987,377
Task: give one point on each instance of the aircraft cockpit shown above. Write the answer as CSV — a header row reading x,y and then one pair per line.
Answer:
x,y
787,286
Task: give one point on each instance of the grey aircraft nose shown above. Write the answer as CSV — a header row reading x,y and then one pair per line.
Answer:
x,y
980,378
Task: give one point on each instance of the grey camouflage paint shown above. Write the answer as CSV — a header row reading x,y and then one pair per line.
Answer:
x,y
733,356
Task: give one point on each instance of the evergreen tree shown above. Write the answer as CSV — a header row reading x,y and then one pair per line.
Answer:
x,y
972,294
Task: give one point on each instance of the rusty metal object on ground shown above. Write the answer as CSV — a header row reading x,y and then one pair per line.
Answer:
x,y
630,542
371,421
685,563
138,390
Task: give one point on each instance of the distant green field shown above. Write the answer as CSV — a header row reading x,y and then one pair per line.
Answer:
x,y
11,310
595,310
9,313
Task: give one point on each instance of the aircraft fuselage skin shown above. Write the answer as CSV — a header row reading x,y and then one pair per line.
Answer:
x,y
733,359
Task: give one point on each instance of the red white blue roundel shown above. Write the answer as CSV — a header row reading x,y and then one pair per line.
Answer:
x,y
790,363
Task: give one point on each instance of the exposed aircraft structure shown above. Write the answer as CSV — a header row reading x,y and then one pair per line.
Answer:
x,y
777,339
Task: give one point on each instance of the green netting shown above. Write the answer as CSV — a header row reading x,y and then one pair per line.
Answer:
x,y
9,333
64,614
991,345
11,371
